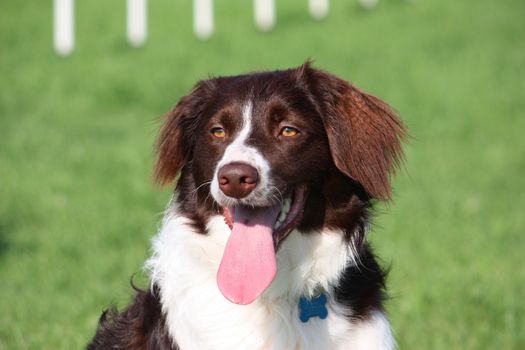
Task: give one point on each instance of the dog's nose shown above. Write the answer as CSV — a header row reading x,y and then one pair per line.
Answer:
x,y
237,179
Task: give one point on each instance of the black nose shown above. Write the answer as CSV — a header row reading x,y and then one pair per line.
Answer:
x,y
237,179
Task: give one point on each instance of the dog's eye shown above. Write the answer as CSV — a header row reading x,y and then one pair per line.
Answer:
x,y
288,131
218,133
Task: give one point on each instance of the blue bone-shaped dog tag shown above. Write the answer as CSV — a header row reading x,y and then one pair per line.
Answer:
x,y
315,307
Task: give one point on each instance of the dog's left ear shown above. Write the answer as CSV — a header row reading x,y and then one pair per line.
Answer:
x,y
364,133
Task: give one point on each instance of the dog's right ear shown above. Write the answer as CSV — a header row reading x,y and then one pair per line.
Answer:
x,y
176,137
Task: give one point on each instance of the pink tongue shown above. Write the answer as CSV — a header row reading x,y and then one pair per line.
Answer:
x,y
248,265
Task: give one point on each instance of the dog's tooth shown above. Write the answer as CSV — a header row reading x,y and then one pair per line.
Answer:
x,y
286,205
284,212
282,216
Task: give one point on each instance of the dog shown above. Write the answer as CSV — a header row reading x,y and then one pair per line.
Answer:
x,y
263,245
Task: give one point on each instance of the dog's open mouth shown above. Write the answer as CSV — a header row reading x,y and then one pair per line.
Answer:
x,y
249,264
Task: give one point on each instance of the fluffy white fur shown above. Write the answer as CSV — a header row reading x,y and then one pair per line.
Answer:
x,y
185,263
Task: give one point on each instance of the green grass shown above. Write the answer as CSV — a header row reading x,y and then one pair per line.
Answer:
x,y
77,206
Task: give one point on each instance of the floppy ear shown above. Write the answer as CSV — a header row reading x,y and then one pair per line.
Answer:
x,y
364,133
176,137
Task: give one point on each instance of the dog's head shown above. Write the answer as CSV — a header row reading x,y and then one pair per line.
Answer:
x,y
274,151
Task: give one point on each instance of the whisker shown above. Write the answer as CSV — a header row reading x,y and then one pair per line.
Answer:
x,y
278,198
194,192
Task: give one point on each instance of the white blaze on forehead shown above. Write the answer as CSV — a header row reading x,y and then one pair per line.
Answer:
x,y
236,149
239,151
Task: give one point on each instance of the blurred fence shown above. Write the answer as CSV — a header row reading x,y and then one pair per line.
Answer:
x,y
203,22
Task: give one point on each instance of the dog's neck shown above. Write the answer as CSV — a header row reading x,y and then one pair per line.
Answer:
x,y
306,261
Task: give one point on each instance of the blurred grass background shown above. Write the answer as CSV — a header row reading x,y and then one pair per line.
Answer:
x,y
77,206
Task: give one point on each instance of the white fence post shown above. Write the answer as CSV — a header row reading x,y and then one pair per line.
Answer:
x,y
203,18
368,4
318,8
203,23
264,11
64,26
136,22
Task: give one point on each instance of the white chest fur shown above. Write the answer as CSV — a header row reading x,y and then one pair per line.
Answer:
x,y
184,265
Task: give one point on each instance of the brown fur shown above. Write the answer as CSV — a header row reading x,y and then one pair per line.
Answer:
x,y
364,133
138,327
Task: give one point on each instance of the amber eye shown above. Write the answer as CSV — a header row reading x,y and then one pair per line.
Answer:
x,y
288,131
218,133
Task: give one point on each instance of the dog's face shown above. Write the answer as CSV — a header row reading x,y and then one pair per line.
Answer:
x,y
258,142
272,152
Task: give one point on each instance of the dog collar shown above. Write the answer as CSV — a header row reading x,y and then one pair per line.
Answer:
x,y
313,307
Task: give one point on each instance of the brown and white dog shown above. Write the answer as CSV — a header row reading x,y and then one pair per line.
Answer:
x,y
264,243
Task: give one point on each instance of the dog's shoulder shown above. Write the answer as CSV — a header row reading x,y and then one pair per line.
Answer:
x,y
140,326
